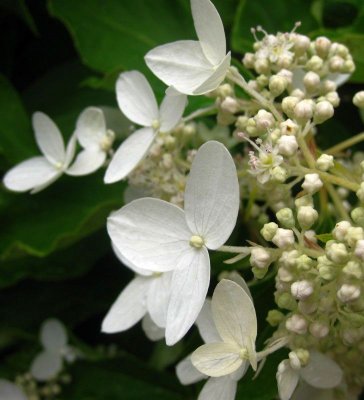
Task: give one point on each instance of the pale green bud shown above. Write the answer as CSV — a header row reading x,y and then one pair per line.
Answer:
x,y
286,218
348,293
324,110
322,46
354,269
311,81
264,120
262,81
336,252
315,63
297,324
286,301
304,201
249,60
241,122
259,273
358,99
360,192
261,65
279,174
340,230
304,263
319,329
333,98
288,105
326,272
325,162
269,230
353,235
349,66
274,317
307,216
336,64
304,110
225,90
277,85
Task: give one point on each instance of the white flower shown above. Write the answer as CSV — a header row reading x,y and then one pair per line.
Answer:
x,y
49,362
95,139
147,295
321,372
236,322
39,172
194,67
157,236
223,387
137,101
10,391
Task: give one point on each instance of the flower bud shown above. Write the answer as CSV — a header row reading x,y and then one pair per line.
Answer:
x,y
360,192
287,145
279,174
336,252
354,234
301,44
229,104
353,269
304,263
304,109
333,98
262,81
285,217
277,85
359,249
340,230
288,105
260,258
348,293
286,301
275,317
241,122
358,216
328,86
324,110
261,65
284,275
315,63
311,81
269,230
288,258
349,66
264,120
283,238
326,272
325,162
248,60
307,307
304,201
336,64
312,183
287,74
301,290
322,46
294,361
288,127
297,324
306,216
319,329
358,99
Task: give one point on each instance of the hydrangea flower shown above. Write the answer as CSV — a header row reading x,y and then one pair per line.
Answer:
x,y
321,372
37,173
9,391
158,236
49,362
137,101
96,140
147,295
194,67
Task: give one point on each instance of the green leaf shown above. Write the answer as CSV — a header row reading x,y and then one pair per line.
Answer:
x,y
325,237
69,210
16,137
280,16
115,35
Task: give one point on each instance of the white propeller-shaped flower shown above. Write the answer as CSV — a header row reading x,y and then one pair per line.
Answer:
x,y
96,140
9,391
158,236
49,362
321,372
137,101
236,322
39,172
194,67
147,295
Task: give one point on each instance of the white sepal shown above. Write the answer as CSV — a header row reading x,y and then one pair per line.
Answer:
x,y
10,391
206,325
46,365
53,335
171,111
219,388
187,373
151,329
86,162
287,380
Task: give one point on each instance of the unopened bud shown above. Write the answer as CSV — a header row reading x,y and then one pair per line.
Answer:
x,y
322,46
304,263
275,317
353,235
325,162
324,110
287,145
296,324
359,249
283,238
261,65
358,99
319,330
288,105
301,43
304,110
248,60
336,64
279,174
336,252
329,86
307,216
277,85
304,201
286,301
360,192
353,269
259,257
340,230
315,63
264,120
286,218
225,90
358,216
269,230
301,290
311,81
348,293
312,183
229,104
333,98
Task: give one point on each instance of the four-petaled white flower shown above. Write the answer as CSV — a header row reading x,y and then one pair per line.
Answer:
x,y
10,391
147,295
236,322
49,362
39,172
96,140
137,101
194,67
223,387
321,372
158,236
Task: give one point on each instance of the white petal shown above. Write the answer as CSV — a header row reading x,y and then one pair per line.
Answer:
x,y
223,388
209,29
9,391
158,298
46,365
130,265
217,359
237,278
70,151
87,162
322,372
49,138
240,372
53,335
190,283
212,194
151,330
215,78
206,325
150,233
29,174
305,391
171,111
136,98
339,79
181,64
234,314
187,373
91,128
287,380
129,308
129,155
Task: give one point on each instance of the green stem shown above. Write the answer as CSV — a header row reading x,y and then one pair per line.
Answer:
x,y
337,202
234,249
345,144
201,113
306,151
